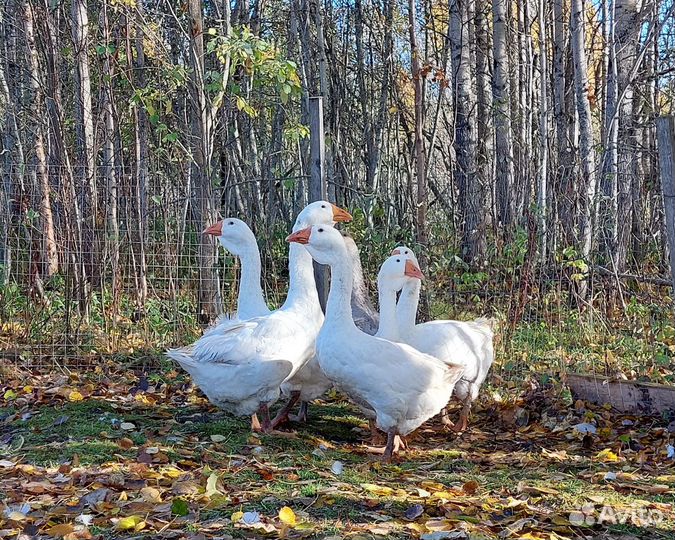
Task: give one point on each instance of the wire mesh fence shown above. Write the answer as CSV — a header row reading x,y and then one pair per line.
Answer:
x,y
121,279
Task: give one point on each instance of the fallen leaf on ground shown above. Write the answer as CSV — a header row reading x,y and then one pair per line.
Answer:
x,y
287,516
151,494
470,487
180,507
58,531
125,443
211,483
536,490
130,522
413,512
607,456
378,490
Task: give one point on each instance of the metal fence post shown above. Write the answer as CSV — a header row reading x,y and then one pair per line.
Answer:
x,y
665,132
317,182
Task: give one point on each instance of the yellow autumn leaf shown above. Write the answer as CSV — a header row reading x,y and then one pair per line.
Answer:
x,y
607,456
666,478
142,398
75,396
171,472
287,516
432,486
28,389
236,517
57,531
129,522
378,490
443,495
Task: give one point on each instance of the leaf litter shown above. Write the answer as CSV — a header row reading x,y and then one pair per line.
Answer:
x,y
101,456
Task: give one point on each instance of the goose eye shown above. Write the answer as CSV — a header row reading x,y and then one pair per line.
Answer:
x,y
323,206
398,260
231,223
320,230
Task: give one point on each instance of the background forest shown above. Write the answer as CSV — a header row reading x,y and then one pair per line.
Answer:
x,y
512,143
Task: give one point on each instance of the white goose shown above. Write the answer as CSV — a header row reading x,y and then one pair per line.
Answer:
x,y
471,342
310,382
363,311
237,238
241,365
403,386
394,274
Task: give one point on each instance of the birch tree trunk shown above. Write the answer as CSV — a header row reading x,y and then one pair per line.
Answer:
x,y
586,147
563,120
40,171
204,207
485,142
61,170
307,75
608,208
521,114
382,113
141,149
85,142
542,177
111,166
627,35
503,133
421,235
363,95
9,141
471,190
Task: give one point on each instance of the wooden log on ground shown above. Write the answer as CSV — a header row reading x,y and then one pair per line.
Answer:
x,y
624,396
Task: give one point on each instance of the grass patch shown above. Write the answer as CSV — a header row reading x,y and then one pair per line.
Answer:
x,y
492,474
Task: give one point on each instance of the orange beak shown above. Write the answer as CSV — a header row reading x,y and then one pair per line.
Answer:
x,y
396,252
301,236
216,229
340,215
411,270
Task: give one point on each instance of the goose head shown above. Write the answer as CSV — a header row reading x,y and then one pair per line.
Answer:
x,y
234,235
396,271
407,253
323,242
320,213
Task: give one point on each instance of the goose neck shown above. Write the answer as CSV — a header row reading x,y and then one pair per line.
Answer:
x,y
302,286
406,309
388,328
338,307
250,297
